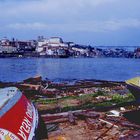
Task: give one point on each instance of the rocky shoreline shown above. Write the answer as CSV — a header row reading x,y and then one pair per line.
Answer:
x,y
78,109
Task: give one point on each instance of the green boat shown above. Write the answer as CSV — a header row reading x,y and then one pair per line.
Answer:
x,y
134,87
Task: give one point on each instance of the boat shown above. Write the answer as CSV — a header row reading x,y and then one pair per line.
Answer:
x,y
18,116
134,87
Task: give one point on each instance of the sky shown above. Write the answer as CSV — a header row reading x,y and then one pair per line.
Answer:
x,y
88,22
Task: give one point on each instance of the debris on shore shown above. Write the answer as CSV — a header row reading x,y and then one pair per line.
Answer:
x,y
86,109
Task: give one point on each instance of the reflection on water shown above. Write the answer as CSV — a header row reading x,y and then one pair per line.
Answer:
x,y
13,69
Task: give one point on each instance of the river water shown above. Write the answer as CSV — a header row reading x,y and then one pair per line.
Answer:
x,y
116,69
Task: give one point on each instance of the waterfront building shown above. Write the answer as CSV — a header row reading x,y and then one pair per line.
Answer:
x,y
8,49
55,40
56,47
51,47
49,52
80,51
6,46
42,42
137,53
39,49
4,42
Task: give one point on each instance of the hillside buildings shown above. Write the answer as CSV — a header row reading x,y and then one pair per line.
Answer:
x,y
52,47
15,47
56,47
137,53
7,46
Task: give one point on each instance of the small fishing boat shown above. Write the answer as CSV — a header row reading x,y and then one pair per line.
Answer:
x,y
134,87
18,116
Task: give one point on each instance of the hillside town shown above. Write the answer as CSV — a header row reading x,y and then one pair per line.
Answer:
x,y
55,47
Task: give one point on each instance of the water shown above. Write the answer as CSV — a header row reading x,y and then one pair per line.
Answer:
x,y
117,69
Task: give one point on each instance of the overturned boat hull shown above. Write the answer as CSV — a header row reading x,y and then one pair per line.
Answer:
x,y
18,116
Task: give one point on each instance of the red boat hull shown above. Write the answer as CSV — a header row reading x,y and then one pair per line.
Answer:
x,y
19,122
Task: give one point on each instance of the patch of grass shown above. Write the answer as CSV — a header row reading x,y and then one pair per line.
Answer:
x,y
86,97
85,101
45,101
117,98
130,97
104,104
86,106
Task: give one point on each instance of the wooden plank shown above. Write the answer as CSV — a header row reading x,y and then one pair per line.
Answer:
x,y
61,120
71,118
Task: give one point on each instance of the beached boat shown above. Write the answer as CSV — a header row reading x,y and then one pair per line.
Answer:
x,y
134,87
18,116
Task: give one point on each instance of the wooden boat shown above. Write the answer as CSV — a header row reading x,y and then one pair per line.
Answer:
x,y
18,116
134,87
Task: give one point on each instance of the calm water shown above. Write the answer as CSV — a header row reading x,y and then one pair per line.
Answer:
x,y
13,69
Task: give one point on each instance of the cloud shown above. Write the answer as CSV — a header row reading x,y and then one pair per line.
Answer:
x,y
87,26
86,18
119,24
51,7
33,26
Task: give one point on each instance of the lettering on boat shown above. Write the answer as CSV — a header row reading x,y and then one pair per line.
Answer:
x,y
7,135
26,124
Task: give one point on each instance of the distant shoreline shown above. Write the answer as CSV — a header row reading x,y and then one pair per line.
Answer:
x,y
55,47
35,55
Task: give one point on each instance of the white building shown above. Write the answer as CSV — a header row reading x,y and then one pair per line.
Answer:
x,y
5,42
81,50
50,45
55,40
39,49
49,52
41,43
8,49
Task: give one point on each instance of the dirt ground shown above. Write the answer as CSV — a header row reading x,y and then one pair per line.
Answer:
x,y
82,131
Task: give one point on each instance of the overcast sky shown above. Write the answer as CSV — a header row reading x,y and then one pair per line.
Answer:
x,y
95,22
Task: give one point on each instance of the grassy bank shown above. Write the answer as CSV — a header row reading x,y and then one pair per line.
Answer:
x,y
88,101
